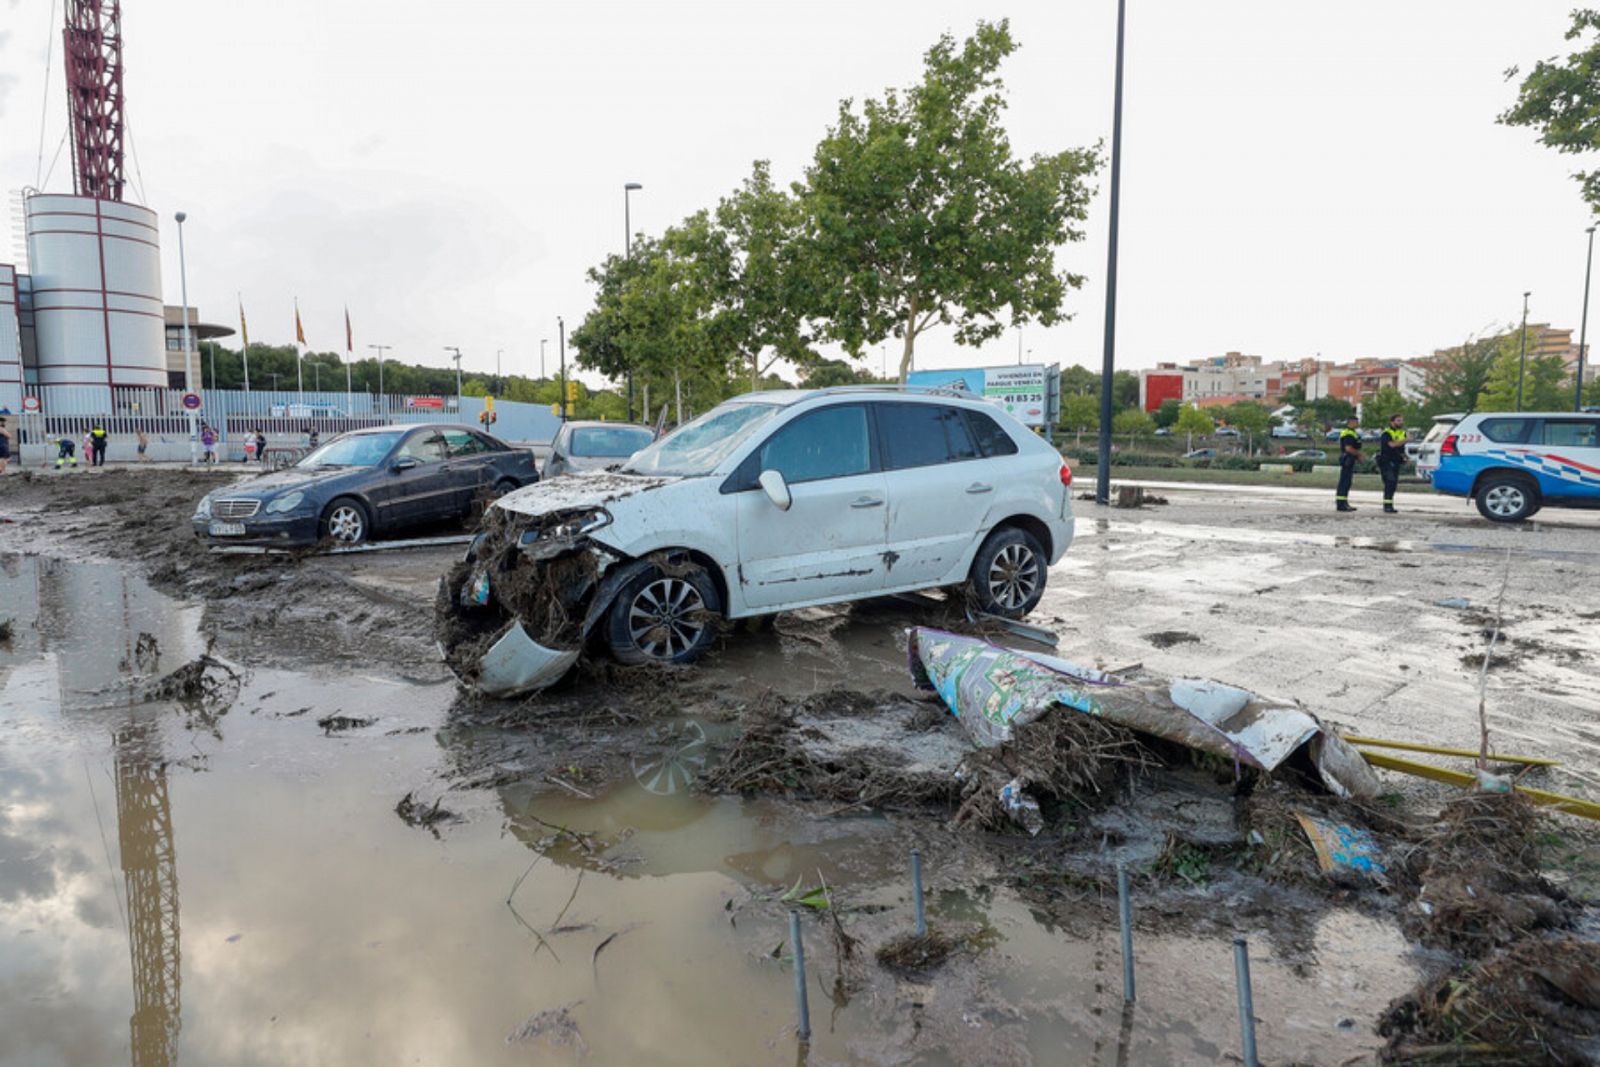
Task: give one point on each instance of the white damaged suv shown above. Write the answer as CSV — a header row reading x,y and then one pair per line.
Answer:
x,y
769,502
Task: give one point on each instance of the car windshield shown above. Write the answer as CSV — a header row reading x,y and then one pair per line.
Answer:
x,y
697,447
353,450
617,442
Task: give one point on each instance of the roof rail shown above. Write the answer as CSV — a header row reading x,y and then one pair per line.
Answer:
x,y
948,389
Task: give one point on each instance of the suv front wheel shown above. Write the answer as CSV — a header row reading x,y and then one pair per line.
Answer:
x,y
664,616
1008,574
1506,498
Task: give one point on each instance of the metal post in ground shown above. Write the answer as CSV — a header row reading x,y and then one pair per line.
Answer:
x,y
802,1007
916,891
1247,1008
1125,918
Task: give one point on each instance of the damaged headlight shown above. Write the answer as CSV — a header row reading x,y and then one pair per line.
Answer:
x,y
202,510
287,502
572,527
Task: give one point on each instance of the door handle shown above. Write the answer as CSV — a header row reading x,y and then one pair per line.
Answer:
x,y
979,487
867,502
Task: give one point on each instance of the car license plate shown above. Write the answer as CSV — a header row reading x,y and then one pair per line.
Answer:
x,y
227,529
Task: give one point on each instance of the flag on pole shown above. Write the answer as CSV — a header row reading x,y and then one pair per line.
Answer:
x,y
244,327
349,338
299,330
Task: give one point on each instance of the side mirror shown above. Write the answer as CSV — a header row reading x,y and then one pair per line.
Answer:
x,y
776,488
404,463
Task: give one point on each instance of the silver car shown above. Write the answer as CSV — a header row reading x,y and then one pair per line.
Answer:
x,y
594,446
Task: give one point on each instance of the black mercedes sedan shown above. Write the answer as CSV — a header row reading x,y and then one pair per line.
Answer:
x,y
365,483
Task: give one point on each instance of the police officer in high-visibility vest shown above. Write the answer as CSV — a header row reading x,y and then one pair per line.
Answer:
x,y
1349,456
1391,457
97,445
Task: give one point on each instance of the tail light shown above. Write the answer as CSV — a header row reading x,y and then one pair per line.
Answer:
x,y
1448,446
1066,476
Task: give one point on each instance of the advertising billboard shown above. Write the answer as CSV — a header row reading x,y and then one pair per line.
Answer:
x,y
1030,392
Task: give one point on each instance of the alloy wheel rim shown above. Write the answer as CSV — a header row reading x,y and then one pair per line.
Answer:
x,y
666,618
1013,576
345,524
1504,500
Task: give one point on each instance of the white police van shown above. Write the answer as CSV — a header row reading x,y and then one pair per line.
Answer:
x,y
1514,463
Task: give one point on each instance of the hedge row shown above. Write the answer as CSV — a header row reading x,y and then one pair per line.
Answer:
x,y
1087,457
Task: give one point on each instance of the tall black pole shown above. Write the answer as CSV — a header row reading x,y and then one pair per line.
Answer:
x,y
562,348
1102,484
1583,330
627,253
1522,350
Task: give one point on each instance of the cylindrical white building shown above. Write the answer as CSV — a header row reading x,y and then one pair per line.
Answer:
x,y
96,273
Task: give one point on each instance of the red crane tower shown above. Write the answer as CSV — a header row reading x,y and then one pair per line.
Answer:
x,y
92,45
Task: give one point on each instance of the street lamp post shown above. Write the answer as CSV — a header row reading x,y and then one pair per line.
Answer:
x,y
498,387
188,348
1102,485
381,350
542,342
561,351
1522,349
627,226
1583,330
457,358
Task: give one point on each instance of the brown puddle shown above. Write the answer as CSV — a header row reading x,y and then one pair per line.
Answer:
x,y
231,884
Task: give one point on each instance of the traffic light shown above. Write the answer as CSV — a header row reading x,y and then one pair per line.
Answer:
x,y
572,392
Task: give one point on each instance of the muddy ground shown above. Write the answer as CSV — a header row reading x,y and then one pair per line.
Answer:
x,y
615,775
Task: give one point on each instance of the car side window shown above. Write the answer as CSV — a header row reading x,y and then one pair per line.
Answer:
x,y
1572,433
991,439
460,443
488,444
922,435
831,443
1506,431
424,448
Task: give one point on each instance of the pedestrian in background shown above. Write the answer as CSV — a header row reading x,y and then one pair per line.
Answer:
x,y
261,446
208,443
66,452
313,438
1391,457
249,446
88,447
144,447
5,446
1349,456
97,445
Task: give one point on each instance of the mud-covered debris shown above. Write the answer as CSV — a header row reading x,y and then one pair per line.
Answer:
x,y
338,723
480,600
8,630
146,652
203,680
555,1027
1168,638
1479,878
1537,1002
414,812
918,953
844,746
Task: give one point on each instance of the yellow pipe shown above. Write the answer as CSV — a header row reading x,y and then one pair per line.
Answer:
x,y
1571,805
1411,746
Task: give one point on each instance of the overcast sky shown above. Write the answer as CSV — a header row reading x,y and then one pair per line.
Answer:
x,y
1297,178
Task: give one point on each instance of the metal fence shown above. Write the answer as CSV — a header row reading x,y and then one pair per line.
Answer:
x,y
287,418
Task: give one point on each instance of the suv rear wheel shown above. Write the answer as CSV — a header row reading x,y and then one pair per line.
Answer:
x,y
1506,498
662,617
1008,574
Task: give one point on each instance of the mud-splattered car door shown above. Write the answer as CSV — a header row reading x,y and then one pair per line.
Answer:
x,y
829,544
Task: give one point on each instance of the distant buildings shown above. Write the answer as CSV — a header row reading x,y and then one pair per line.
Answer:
x,y
1227,379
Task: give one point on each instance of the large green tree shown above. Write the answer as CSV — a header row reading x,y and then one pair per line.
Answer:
x,y
1080,413
1167,413
1457,376
1560,97
922,216
1191,421
1133,422
1544,380
1386,402
1249,418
